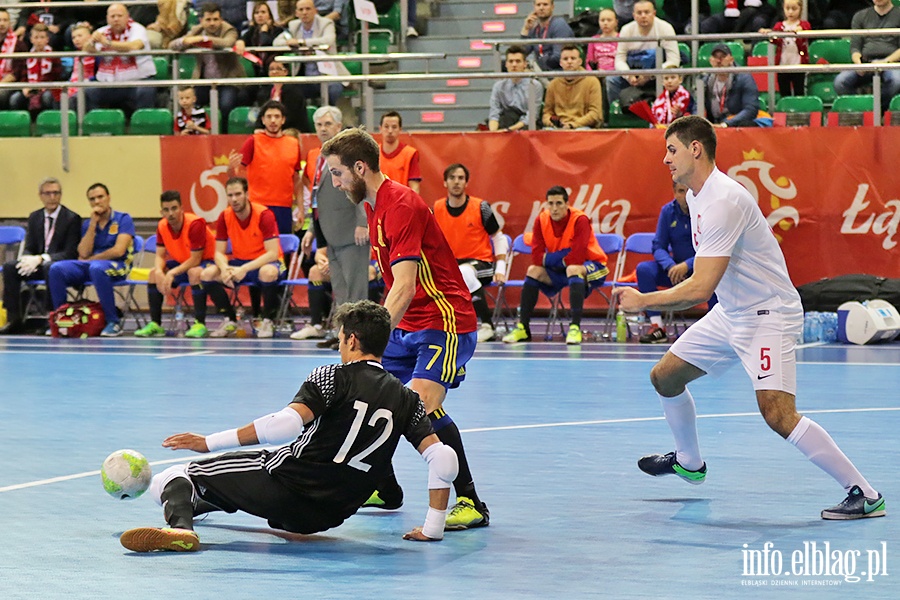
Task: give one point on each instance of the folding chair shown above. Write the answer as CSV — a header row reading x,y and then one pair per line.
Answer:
x,y
293,280
12,238
612,245
501,306
638,247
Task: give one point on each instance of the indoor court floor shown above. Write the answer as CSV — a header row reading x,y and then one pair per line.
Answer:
x,y
552,432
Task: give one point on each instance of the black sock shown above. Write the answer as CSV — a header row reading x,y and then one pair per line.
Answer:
x,y
576,299
254,300
529,299
479,301
199,296
178,506
318,300
448,433
270,301
155,299
216,291
389,489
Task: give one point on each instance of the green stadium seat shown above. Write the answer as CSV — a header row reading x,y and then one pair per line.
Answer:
x,y
239,120
821,86
737,50
391,19
186,63
895,101
619,119
855,103
15,123
893,114
354,66
104,121
379,42
836,51
249,67
660,9
764,99
49,122
151,121
800,104
310,111
596,5
760,49
716,6
163,70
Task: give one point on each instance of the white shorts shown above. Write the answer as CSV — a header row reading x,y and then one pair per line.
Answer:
x,y
763,342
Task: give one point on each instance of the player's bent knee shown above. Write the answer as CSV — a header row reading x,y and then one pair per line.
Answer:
x,y
161,480
209,275
443,466
268,274
536,272
576,271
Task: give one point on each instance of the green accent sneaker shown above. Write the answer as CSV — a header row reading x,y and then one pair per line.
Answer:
x,y
464,515
148,539
519,334
151,329
197,330
574,336
856,506
666,464
375,501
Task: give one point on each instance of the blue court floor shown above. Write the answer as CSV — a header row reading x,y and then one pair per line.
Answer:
x,y
552,433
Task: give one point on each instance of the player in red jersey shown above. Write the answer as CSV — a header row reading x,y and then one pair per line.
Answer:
x,y
431,310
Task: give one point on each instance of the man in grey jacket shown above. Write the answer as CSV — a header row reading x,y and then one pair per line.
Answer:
x,y
873,49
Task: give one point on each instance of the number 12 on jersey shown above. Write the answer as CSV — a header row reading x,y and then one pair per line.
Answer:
x,y
357,461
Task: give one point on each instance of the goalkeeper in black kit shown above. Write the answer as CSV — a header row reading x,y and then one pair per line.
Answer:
x,y
345,423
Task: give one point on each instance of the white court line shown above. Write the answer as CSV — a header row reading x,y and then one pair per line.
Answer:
x,y
198,353
20,486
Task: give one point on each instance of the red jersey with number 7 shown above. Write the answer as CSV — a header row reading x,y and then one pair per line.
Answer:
x,y
401,227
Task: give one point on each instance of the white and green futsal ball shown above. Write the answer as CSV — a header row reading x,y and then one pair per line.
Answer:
x,y
125,474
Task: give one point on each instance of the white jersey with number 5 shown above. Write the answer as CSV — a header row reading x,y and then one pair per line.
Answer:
x,y
726,221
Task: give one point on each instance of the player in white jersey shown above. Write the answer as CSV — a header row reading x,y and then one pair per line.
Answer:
x,y
757,322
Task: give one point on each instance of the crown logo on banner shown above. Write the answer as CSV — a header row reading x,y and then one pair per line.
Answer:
x,y
221,160
754,155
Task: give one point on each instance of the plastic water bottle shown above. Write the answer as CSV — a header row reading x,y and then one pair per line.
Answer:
x,y
180,324
807,327
829,333
621,327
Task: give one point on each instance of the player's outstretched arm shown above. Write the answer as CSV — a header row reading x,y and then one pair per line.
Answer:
x,y
276,428
697,288
443,466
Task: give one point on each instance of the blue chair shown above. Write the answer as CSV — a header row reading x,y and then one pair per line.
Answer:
x,y
12,237
501,306
293,277
613,245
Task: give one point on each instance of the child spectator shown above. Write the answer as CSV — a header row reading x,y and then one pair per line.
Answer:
x,y
791,50
81,37
674,101
601,56
191,119
39,70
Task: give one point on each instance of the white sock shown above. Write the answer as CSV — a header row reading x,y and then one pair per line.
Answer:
x,y
682,419
815,443
656,320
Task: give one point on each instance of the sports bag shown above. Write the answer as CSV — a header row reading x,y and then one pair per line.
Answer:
x,y
77,320
826,295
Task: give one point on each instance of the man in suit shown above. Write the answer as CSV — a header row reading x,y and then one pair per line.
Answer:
x,y
52,234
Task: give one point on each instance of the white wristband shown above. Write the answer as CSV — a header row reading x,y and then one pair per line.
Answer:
x,y
223,440
500,266
45,258
434,523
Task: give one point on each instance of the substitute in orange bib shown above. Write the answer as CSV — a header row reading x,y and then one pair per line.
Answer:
x,y
184,247
256,260
478,243
564,252
273,162
398,161
431,311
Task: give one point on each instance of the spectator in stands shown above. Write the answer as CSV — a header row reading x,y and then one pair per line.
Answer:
x,y
55,18
52,234
673,258
674,101
234,12
791,50
678,14
540,24
218,34
184,247
564,253
170,22
13,13
399,162
11,70
35,99
873,49
273,162
838,14
262,32
340,230
115,43
307,32
601,56
478,243
624,10
642,55
509,97
257,258
190,118
573,103
732,99
336,10
289,94
84,68
105,253
740,16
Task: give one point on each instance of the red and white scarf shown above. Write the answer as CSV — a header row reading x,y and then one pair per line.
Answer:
x,y
9,46
87,69
39,68
120,61
663,107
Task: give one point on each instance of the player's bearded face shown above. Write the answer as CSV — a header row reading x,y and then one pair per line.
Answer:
x,y
356,190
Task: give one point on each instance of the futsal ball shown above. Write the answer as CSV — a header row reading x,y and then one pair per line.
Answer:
x,y
125,474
